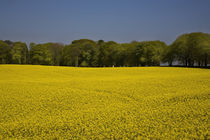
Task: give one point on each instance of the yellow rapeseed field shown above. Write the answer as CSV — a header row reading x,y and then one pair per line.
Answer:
x,y
48,102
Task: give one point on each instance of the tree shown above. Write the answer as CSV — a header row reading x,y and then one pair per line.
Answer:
x,y
19,53
150,52
81,52
55,50
108,54
188,49
40,54
70,55
89,53
100,45
192,48
4,52
168,55
127,54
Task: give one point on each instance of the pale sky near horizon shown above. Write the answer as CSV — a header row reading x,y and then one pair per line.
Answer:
x,y
122,21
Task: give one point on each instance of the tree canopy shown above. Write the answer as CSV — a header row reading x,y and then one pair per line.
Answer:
x,y
191,49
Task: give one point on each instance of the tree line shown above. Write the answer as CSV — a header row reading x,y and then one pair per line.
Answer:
x,y
191,49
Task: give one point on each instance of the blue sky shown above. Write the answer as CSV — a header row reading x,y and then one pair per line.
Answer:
x,y
42,21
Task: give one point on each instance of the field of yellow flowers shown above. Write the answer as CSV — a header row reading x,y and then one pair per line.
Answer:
x,y
48,102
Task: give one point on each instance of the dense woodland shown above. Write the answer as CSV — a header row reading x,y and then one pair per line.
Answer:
x,y
188,50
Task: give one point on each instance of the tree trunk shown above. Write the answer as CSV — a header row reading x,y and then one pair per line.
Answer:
x,y
76,61
199,63
186,62
206,60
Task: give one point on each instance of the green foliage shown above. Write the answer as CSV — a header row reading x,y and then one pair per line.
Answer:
x,y
127,55
150,52
40,54
70,55
81,52
188,49
108,53
56,51
19,53
4,52
192,48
